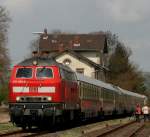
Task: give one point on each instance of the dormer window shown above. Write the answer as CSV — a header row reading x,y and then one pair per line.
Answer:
x,y
76,41
76,44
45,37
54,41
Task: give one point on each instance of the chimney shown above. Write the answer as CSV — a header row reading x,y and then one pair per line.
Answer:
x,y
61,47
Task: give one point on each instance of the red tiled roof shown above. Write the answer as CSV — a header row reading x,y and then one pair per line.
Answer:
x,y
75,42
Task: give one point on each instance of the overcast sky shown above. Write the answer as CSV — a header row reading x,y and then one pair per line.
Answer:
x,y
129,19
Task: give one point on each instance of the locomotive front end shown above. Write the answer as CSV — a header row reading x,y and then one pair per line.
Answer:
x,y
35,95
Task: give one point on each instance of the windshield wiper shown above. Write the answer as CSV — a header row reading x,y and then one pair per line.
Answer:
x,y
42,69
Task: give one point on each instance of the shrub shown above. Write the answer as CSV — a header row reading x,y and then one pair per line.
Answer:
x,y
4,93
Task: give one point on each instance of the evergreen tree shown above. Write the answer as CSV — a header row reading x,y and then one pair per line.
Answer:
x,y
124,73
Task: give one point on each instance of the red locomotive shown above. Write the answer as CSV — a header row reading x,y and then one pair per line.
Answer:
x,y
44,91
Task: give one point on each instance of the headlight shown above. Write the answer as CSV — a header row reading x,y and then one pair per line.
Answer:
x,y
34,62
17,98
49,98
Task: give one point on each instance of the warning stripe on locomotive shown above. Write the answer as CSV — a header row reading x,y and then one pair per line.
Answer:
x,y
34,89
21,89
46,89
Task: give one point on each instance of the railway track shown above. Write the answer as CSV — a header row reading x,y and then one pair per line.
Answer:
x,y
89,130
17,133
122,130
27,133
35,132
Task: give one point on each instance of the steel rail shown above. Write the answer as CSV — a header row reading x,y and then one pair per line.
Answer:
x,y
11,133
101,133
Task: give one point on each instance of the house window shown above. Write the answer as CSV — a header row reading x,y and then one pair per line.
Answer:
x,y
67,61
80,70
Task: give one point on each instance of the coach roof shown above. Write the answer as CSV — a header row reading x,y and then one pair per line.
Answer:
x,y
81,77
130,93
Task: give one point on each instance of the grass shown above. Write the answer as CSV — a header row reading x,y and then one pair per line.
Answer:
x,y
147,124
7,127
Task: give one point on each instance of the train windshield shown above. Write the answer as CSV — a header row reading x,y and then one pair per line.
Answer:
x,y
24,73
44,73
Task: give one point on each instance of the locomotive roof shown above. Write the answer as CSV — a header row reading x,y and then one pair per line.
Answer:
x,y
83,78
42,62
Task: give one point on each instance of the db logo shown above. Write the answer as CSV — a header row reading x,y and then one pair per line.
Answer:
x,y
33,89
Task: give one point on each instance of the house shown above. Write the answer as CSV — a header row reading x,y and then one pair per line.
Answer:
x,y
84,53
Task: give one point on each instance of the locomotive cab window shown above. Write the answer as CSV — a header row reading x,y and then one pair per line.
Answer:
x,y
44,73
24,73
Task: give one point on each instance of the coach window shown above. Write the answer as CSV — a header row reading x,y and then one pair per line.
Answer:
x,y
62,73
80,91
93,91
104,93
73,77
69,77
96,92
65,74
89,91
44,73
110,94
84,93
85,89
24,73
99,93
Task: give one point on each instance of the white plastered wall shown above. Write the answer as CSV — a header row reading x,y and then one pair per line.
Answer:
x,y
76,63
93,56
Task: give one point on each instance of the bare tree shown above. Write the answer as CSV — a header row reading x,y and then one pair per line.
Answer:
x,y
34,45
4,57
4,25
